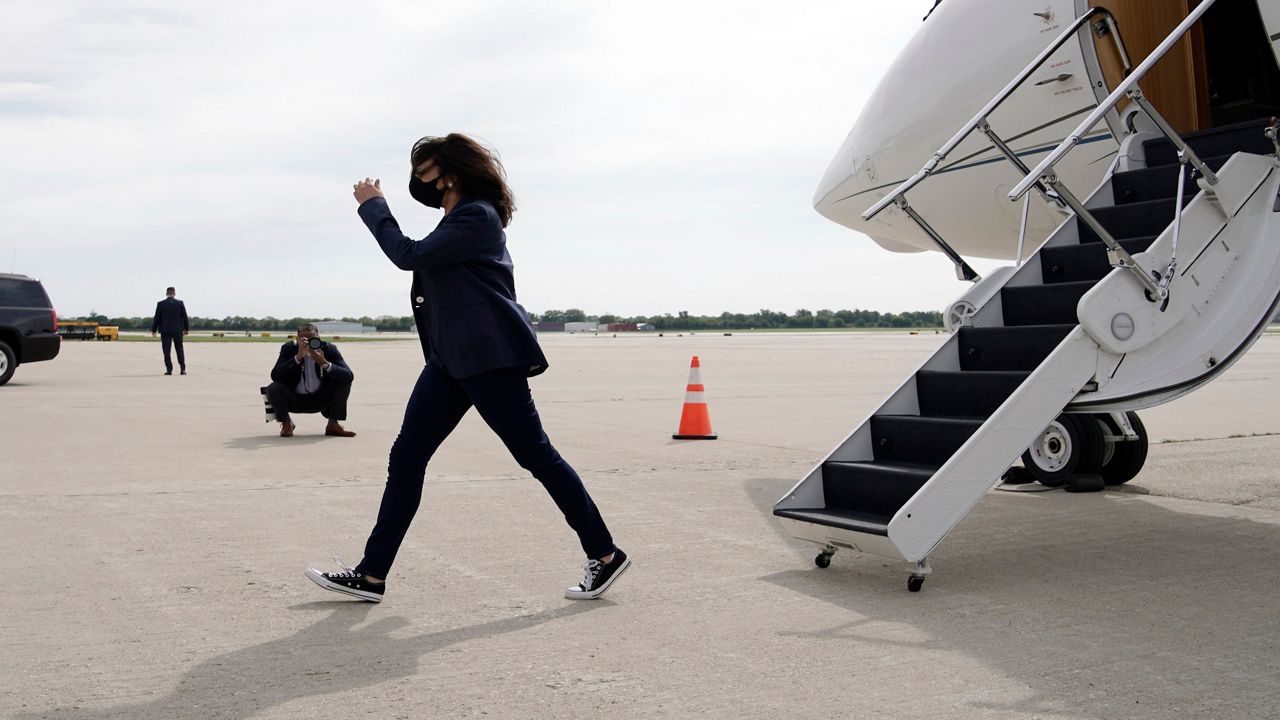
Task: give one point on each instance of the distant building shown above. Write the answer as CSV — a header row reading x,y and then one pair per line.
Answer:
x,y
576,327
645,327
342,327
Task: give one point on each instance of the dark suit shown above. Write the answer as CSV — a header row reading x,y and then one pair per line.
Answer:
x,y
480,349
463,293
330,399
171,322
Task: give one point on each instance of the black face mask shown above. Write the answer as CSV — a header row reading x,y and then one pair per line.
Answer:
x,y
426,192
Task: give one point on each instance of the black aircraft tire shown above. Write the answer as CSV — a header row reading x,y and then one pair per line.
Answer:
x,y
1129,456
1071,444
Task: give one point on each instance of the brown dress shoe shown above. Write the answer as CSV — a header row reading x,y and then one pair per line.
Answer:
x,y
333,429
286,428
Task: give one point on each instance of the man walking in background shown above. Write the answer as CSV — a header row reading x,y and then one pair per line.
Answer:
x,y
171,321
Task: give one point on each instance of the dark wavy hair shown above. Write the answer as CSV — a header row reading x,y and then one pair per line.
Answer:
x,y
477,168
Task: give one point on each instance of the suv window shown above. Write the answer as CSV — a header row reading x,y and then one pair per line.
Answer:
x,y
22,293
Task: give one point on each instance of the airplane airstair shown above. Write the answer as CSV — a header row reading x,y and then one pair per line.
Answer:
x,y
1137,298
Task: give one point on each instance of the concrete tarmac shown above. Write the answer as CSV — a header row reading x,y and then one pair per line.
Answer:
x,y
156,530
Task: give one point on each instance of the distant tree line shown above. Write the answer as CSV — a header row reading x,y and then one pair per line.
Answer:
x,y
682,321
761,319
764,318
241,323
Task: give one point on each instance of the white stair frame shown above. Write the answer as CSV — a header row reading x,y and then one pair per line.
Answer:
x,y
1224,292
1250,256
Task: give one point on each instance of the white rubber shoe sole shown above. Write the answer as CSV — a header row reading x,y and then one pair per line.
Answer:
x,y
318,578
574,593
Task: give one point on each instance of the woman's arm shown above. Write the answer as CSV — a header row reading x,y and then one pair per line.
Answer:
x,y
463,233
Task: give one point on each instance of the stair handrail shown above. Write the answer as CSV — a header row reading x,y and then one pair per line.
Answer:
x,y
980,122
1156,287
1128,85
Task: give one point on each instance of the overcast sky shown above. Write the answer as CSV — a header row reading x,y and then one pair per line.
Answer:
x,y
663,154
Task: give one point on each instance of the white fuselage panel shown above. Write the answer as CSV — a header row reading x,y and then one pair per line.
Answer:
x,y
964,54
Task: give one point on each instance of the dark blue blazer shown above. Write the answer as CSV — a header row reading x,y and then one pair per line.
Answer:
x,y
289,371
171,317
464,292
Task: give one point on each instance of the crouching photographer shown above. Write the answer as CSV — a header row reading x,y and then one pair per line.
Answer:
x,y
310,376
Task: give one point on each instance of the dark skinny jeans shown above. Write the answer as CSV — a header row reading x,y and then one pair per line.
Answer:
x,y
503,400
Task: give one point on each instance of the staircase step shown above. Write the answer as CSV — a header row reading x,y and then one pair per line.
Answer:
x,y
1053,304
919,440
1156,183
840,518
1086,261
1019,348
877,488
965,394
1131,220
1222,140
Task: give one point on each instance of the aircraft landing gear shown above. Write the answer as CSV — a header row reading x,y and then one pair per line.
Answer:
x,y
1126,447
1077,447
1071,444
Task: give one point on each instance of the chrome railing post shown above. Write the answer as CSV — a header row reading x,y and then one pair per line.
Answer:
x,y
963,271
1177,225
1116,254
1022,232
1000,145
1185,153
1012,157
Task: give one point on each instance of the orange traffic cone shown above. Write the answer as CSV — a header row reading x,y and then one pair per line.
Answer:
x,y
695,421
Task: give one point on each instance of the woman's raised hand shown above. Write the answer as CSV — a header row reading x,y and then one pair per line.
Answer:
x,y
367,189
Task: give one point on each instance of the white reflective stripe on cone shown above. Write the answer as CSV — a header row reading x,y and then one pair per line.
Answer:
x,y
695,376
694,397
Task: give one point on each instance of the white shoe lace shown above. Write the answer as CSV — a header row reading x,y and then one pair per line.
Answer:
x,y
347,570
590,571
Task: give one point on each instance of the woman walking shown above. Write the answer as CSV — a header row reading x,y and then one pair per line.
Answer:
x,y
480,351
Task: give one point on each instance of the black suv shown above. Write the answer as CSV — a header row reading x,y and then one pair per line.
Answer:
x,y
28,324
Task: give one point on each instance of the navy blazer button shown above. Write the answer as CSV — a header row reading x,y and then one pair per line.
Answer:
x,y
418,299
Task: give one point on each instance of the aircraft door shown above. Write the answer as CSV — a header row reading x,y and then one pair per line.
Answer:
x,y
1178,84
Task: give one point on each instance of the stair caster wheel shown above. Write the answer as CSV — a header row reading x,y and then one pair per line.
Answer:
x,y
920,569
823,559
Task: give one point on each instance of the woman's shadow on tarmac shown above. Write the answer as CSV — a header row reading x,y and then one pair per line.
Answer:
x,y
329,656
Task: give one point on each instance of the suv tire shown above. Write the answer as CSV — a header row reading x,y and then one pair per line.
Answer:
x,y
8,362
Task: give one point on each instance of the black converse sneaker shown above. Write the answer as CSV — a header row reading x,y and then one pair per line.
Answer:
x,y
349,581
598,576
